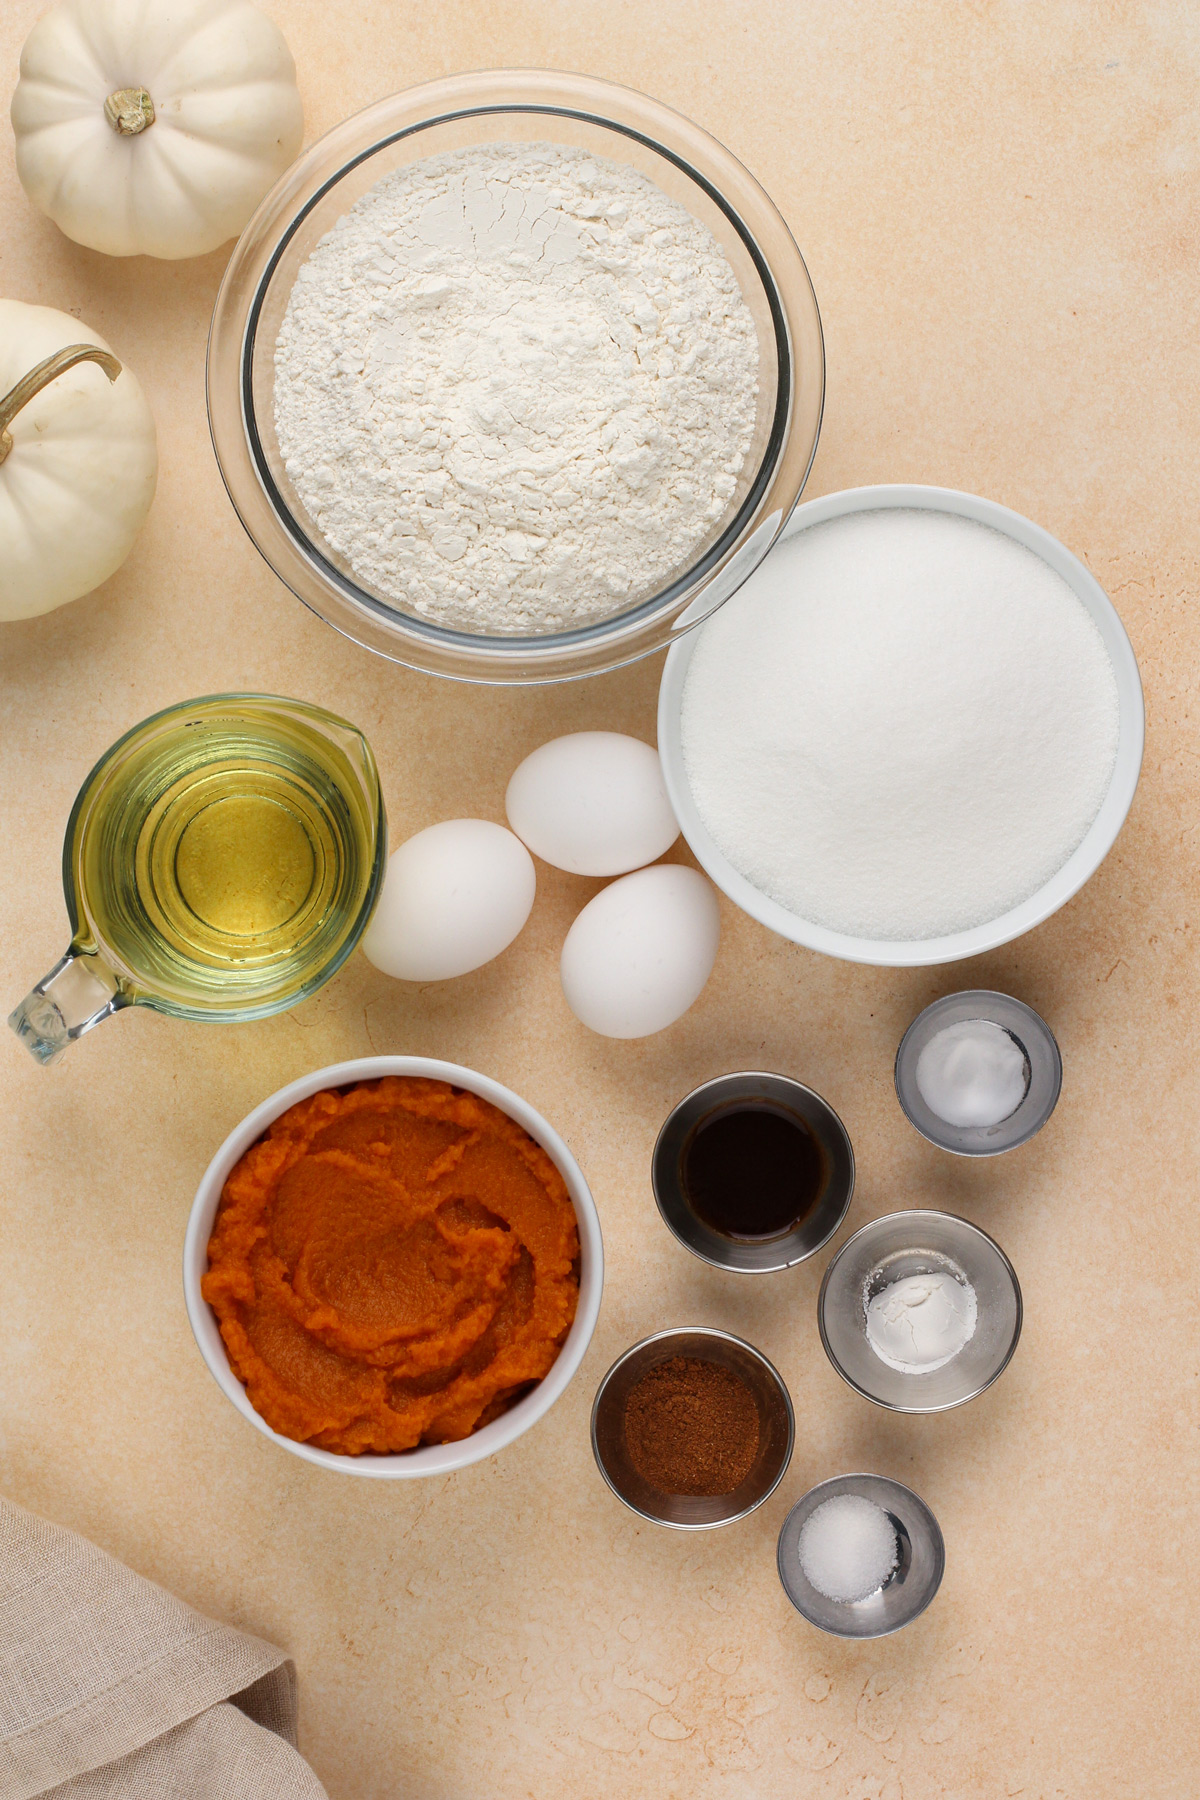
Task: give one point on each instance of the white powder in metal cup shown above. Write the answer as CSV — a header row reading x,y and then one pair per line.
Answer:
x,y
921,1322
902,726
972,1074
515,388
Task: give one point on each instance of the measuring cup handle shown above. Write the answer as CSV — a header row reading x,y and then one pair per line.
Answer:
x,y
78,992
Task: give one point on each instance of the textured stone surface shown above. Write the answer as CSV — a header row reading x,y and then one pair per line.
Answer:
x,y
997,203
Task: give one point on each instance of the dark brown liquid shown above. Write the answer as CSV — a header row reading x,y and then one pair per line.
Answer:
x,y
752,1170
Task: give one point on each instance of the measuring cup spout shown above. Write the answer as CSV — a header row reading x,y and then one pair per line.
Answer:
x,y
79,991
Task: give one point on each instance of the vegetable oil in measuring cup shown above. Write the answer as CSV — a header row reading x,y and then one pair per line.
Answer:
x,y
221,861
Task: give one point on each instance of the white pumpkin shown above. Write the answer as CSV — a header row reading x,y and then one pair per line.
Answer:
x,y
154,127
78,462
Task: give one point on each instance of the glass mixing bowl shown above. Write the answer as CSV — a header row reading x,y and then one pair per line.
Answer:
x,y
508,105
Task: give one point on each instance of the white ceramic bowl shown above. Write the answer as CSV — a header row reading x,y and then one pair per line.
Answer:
x,y
1082,863
433,1459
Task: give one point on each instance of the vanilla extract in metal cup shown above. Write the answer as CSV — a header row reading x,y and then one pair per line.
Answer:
x,y
221,861
753,1172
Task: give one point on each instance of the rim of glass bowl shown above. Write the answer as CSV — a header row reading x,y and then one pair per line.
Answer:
x,y
622,637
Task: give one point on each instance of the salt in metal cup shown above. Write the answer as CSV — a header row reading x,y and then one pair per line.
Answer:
x,y
920,1563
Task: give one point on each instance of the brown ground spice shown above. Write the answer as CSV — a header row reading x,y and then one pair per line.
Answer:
x,y
691,1427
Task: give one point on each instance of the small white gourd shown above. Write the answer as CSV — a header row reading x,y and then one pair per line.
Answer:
x,y
154,129
78,460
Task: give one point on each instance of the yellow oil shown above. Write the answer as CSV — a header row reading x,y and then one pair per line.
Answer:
x,y
226,856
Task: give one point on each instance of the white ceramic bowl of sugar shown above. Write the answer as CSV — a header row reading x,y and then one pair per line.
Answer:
x,y
1078,866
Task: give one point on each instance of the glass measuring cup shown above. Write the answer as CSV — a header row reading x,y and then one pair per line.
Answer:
x,y
221,861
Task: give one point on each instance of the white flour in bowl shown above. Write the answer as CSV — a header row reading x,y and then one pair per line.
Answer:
x,y
902,726
515,387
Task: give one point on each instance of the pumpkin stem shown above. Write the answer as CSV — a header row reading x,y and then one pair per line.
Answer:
x,y
37,379
129,110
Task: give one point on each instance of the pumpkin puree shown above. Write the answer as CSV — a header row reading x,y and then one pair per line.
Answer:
x,y
393,1264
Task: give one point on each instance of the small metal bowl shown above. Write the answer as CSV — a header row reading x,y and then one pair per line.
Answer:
x,y
1043,1072
693,1512
750,1256
908,1590
919,1243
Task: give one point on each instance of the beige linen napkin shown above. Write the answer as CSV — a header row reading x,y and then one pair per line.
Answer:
x,y
110,1687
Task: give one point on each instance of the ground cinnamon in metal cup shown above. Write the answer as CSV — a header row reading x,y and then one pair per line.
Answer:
x,y
691,1427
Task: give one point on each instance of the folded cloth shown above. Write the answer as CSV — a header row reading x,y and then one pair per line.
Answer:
x,y
110,1687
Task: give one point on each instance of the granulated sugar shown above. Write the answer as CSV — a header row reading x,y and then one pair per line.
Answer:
x,y
516,387
902,726
848,1548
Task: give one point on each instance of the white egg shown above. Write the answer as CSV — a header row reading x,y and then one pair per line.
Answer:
x,y
453,897
639,953
594,803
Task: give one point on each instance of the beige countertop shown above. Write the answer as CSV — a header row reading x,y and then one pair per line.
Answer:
x,y
998,207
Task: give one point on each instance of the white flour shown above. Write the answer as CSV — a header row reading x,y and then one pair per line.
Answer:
x,y
901,726
515,387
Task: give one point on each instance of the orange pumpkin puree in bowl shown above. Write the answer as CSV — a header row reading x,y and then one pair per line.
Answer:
x,y
393,1264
